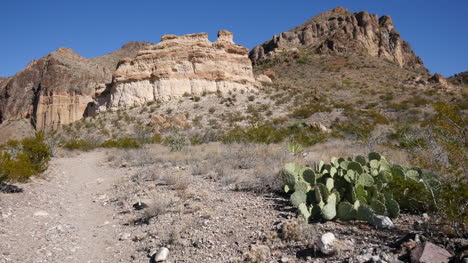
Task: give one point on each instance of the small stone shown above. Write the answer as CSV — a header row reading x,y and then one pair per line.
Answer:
x,y
41,213
124,236
161,255
285,259
381,222
428,252
326,243
426,216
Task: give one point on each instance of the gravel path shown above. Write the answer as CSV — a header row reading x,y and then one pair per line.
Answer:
x,y
64,218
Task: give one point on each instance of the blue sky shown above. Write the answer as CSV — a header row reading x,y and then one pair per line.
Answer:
x,y
30,29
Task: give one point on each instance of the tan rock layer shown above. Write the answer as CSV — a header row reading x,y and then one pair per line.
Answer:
x,y
182,64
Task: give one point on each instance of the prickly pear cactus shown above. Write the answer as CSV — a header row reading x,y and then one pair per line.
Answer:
x,y
345,188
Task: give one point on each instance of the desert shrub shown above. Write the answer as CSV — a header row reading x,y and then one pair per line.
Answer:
x,y
78,144
267,133
306,110
260,133
125,143
359,130
377,117
440,146
37,151
19,160
176,142
196,140
407,137
156,139
449,131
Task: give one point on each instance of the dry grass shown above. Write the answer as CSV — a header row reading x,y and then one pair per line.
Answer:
x,y
245,167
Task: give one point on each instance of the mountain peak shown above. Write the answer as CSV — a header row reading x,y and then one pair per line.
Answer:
x,y
340,31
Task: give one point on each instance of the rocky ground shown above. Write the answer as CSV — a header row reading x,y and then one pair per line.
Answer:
x,y
122,206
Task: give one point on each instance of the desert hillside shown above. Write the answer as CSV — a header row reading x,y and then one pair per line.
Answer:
x,y
330,142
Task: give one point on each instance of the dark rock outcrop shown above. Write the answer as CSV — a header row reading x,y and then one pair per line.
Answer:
x,y
340,31
457,79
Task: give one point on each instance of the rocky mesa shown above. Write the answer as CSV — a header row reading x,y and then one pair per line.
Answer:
x,y
338,30
178,65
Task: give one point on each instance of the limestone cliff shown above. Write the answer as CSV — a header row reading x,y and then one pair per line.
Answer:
x,y
178,65
341,31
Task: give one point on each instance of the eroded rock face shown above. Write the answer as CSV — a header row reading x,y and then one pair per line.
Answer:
x,y
57,88
178,65
340,31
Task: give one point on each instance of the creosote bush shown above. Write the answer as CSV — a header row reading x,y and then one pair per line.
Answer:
x,y
124,143
19,160
267,134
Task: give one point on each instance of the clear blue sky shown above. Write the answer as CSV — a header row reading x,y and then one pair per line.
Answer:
x,y
437,30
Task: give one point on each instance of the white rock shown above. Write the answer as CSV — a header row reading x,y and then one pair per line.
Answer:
x,y
381,221
41,213
124,236
326,243
162,254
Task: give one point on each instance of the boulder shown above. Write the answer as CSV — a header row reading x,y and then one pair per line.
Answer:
x,y
428,252
439,80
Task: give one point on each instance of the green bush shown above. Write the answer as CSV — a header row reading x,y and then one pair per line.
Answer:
x,y
78,145
359,130
306,110
125,143
267,134
19,160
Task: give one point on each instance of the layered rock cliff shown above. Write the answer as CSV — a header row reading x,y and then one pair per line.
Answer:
x,y
340,31
178,65
57,88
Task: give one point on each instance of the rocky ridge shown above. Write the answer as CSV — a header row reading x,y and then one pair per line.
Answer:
x,y
57,88
178,65
457,79
340,31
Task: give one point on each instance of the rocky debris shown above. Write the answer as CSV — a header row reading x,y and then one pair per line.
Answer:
x,y
161,123
439,80
57,88
340,31
327,243
178,65
381,221
161,255
264,78
428,252
319,126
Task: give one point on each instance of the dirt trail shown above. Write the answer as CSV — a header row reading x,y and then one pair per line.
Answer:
x,y
64,218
